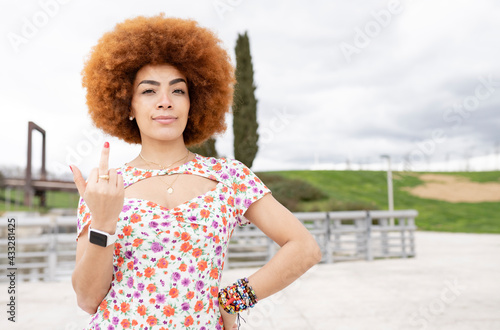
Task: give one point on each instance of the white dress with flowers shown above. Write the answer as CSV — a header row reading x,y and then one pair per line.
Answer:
x,y
168,262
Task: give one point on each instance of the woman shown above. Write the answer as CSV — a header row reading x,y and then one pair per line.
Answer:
x,y
153,234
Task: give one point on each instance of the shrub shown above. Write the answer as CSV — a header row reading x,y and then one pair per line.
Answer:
x,y
290,192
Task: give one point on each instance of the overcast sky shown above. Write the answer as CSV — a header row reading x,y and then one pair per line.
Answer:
x,y
337,81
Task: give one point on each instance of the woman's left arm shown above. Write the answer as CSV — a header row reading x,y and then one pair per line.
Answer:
x,y
299,250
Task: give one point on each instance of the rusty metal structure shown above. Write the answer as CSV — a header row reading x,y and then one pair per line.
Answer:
x,y
37,187
29,190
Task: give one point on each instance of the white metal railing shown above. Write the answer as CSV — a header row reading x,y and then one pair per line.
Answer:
x,y
348,235
46,246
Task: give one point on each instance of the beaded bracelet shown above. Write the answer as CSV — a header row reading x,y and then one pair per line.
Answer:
x,y
237,297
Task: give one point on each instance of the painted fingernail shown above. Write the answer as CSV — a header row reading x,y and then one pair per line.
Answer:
x,y
70,168
106,144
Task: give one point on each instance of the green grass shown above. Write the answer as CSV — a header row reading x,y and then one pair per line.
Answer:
x,y
365,188
54,199
479,176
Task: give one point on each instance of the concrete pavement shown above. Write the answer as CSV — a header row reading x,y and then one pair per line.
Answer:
x,y
453,283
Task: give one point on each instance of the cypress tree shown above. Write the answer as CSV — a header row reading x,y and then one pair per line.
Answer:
x,y
207,148
244,105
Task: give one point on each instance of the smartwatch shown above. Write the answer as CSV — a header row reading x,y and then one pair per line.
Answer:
x,y
101,238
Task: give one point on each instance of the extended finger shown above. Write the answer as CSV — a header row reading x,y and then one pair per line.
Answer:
x,y
116,179
103,162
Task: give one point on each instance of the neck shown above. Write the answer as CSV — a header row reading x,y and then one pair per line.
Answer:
x,y
163,152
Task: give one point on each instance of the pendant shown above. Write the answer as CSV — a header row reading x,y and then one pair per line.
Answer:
x,y
170,190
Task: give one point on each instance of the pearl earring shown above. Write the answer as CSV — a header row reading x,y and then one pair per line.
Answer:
x,y
130,118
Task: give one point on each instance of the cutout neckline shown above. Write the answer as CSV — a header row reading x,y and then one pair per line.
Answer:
x,y
167,209
170,171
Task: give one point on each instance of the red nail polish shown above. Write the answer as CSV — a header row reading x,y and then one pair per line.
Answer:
x,y
71,169
106,144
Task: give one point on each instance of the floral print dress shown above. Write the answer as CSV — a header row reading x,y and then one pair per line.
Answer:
x,y
168,262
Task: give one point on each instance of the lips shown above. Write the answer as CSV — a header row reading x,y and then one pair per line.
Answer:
x,y
165,119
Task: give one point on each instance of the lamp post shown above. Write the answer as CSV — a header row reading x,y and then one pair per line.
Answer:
x,y
390,194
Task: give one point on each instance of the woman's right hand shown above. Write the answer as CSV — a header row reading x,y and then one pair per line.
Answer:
x,y
229,320
103,197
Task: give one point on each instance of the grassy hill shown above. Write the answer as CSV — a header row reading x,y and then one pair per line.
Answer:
x,y
358,190
368,189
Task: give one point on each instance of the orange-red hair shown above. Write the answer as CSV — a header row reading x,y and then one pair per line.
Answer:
x,y
110,70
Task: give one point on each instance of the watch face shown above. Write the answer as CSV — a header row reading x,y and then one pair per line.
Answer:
x,y
98,238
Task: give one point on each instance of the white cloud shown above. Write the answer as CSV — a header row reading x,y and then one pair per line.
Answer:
x,y
390,97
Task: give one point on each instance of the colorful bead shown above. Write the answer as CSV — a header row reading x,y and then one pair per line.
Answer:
x,y
237,297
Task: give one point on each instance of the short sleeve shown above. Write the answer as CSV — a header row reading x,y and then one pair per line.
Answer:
x,y
83,217
248,188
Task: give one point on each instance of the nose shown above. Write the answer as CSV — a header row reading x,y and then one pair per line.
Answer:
x,y
164,101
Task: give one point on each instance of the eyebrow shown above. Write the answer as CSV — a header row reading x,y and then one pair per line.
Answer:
x,y
177,80
154,82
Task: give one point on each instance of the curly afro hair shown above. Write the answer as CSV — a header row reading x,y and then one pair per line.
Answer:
x,y
111,67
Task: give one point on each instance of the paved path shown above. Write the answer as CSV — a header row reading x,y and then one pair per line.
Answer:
x,y
453,283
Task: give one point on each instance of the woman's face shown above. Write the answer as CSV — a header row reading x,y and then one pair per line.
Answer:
x,y
160,102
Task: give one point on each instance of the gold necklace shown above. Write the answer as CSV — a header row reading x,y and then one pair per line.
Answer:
x,y
161,166
170,189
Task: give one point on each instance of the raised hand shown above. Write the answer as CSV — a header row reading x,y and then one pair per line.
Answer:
x,y
103,193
